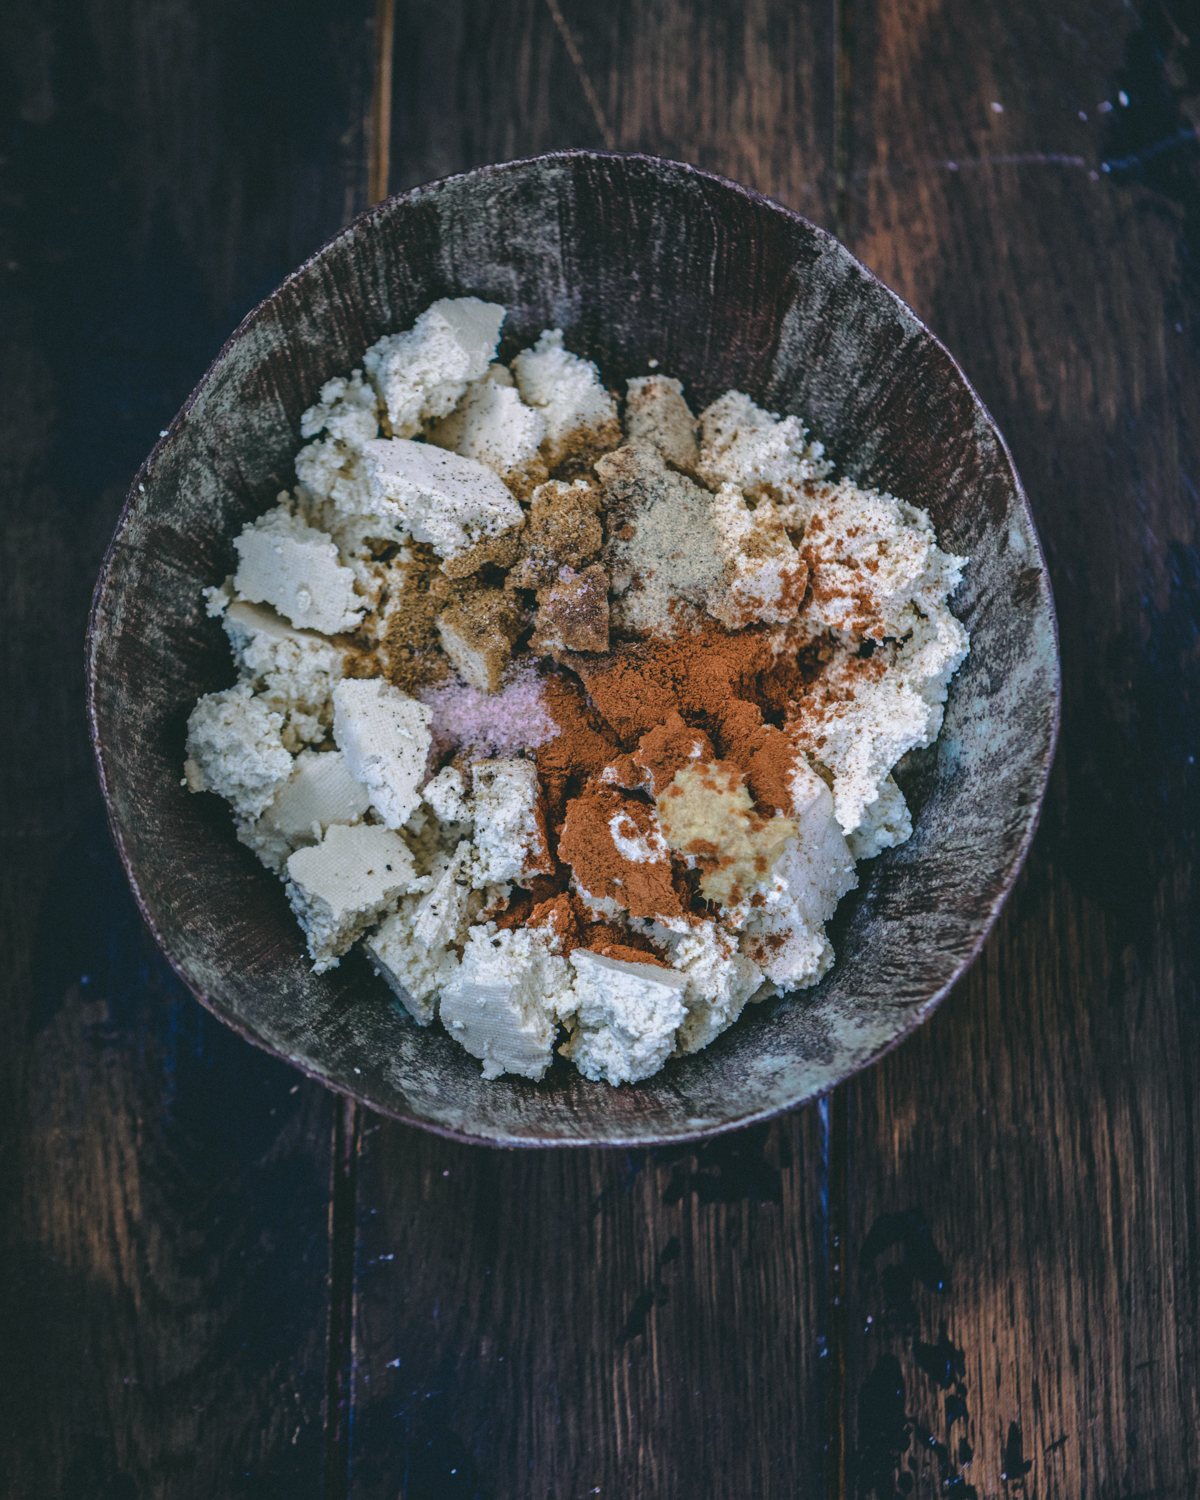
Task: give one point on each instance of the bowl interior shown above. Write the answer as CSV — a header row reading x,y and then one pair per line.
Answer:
x,y
636,260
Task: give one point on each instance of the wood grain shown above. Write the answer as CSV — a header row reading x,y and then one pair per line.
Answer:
x,y
163,1188
599,1322
1034,1148
743,89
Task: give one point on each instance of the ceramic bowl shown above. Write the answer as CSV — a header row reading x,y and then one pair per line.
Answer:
x,y
636,259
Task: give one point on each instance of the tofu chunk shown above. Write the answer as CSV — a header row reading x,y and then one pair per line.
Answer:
x,y
295,568
234,749
343,885
450,502
504,1000
510,823
384,735
421,374
626,1017
320,791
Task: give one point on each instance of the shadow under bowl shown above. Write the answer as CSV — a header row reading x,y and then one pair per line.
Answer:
x,y
636,259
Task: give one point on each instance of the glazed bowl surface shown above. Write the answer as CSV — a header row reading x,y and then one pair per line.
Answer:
x,y
636,259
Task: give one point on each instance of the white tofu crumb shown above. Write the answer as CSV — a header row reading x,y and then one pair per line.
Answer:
x,y
656,413
569,394
341,886
285,563
504,1000
719,982
385,737
492,425
447,796
510,828
865,725
448,501
632,844
320,791
420,374
626,1017
765,577
755,450
234,748
876,566
417,975
292,671
347,411
786,937
416,969
886,822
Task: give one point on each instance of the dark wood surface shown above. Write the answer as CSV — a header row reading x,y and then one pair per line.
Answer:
x,y
218,1282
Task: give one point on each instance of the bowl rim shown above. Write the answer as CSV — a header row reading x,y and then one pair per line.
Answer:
x,y
916,1016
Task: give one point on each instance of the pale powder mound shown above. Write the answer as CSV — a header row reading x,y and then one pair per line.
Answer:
x,y
706,813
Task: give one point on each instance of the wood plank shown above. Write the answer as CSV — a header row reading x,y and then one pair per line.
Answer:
x,y
569,1323
1034,1147
743,89
572,1323
164,1188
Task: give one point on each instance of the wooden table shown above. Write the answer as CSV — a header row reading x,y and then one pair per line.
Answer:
x,y
976,1269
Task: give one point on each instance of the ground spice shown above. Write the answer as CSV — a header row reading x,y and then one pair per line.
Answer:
x,y
644,887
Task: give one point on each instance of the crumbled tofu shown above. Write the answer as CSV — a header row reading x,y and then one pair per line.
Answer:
x,y
580,415
818,868
442,913
626,1017
875,566
384,735
494,426
451,502
719,982
561,531
347,411
447,795
478,635
650,881
503,1001
292,671
573,613
421,373
656,413
860,724
790,953
234,748
343,885
663,548
510,823
765,576
417,948
886,822
755,450
295,568
707,815
320,791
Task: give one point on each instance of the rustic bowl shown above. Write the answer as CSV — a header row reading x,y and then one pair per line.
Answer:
x,y
636,259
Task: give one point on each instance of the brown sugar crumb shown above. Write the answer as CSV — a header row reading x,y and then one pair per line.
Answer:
x,y
573,613
562,530
412,655
478,635
611,941
770,769
596,820
501,551
574,455
668,747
